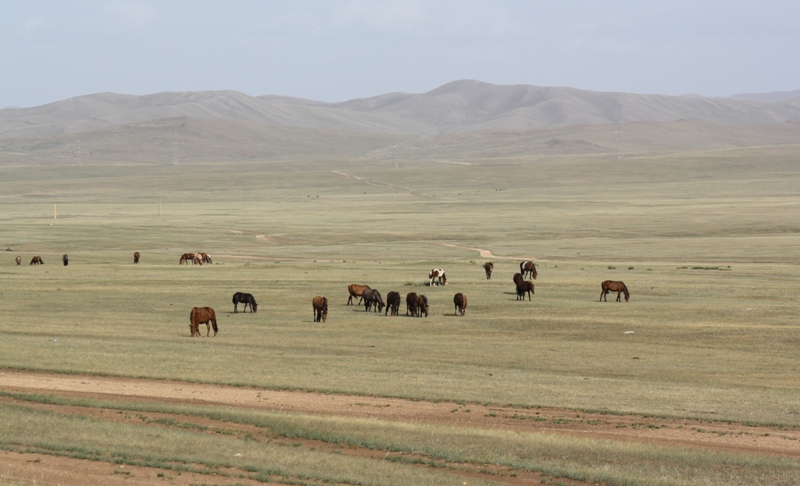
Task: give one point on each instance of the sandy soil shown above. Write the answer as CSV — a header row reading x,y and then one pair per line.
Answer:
x,y
43,469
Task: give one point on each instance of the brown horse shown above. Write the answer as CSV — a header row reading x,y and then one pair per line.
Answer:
x,y
422,305
488,266
528,268
373,297
204,258
460,301
524,287
437,274
202,315
136,257
518,278
411,304
392,303
186,258
614,286
320,305
65,259
356,290
18,260
37,260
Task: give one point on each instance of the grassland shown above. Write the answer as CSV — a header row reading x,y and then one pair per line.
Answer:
x,y
707,242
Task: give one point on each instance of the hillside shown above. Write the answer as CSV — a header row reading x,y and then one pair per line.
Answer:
x,y
460,106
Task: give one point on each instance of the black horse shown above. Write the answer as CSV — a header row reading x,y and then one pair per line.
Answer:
x,y
392,302
372,298
65,259
242,298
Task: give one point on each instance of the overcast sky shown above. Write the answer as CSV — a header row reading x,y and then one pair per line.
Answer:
x,y
338,50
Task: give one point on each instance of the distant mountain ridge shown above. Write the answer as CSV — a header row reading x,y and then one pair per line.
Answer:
x,y
459,106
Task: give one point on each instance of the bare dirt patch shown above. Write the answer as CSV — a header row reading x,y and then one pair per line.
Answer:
x,y
727,436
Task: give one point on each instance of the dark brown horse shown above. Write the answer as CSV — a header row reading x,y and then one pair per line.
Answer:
x,y
186,258
488,266
320,305
136,257
460,301
528,268
422,305
392,303
246,299
437,274
518,278
411,304
373,298
18,260
356,290
37,260
524,287
65,259
202,315
614,286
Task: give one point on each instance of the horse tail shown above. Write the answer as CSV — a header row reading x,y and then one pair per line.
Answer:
x,y
214,321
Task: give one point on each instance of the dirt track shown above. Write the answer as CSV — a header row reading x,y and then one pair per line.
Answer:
x,y
675,432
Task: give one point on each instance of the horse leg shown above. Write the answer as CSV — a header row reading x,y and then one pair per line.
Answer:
x,y
618,296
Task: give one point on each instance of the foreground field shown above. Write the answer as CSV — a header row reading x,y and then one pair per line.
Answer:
x,y
692,382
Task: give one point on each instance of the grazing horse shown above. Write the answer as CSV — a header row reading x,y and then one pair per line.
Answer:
x,y
186,258
613,286
65,259
246,299
202,315
518,278
437,273
488,266
356,290
206,258
18,260
524,287
37,260
411,304
460,301
197,261
373,297
136,257
528,268
392,303
320,305
422,305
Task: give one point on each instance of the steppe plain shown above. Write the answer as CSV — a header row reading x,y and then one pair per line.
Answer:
x,y
694,381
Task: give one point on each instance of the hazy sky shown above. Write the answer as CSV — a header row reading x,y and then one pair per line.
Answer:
x,y
339,50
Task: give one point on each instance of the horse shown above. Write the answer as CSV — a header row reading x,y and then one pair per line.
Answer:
x,y
136,257
206,258
202,315
392,303
411,304
197,261
373,297
202,258
320,305
614,286
186,258
246,299
356,290
528,268
488,266
37,260
460,301
437,273
524,287
65,259
517,278
422,305
18,260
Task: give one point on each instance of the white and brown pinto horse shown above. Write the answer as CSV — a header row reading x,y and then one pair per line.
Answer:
x,y
528,268
437,274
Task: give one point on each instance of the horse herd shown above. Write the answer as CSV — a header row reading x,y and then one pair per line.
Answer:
x,y
416,304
